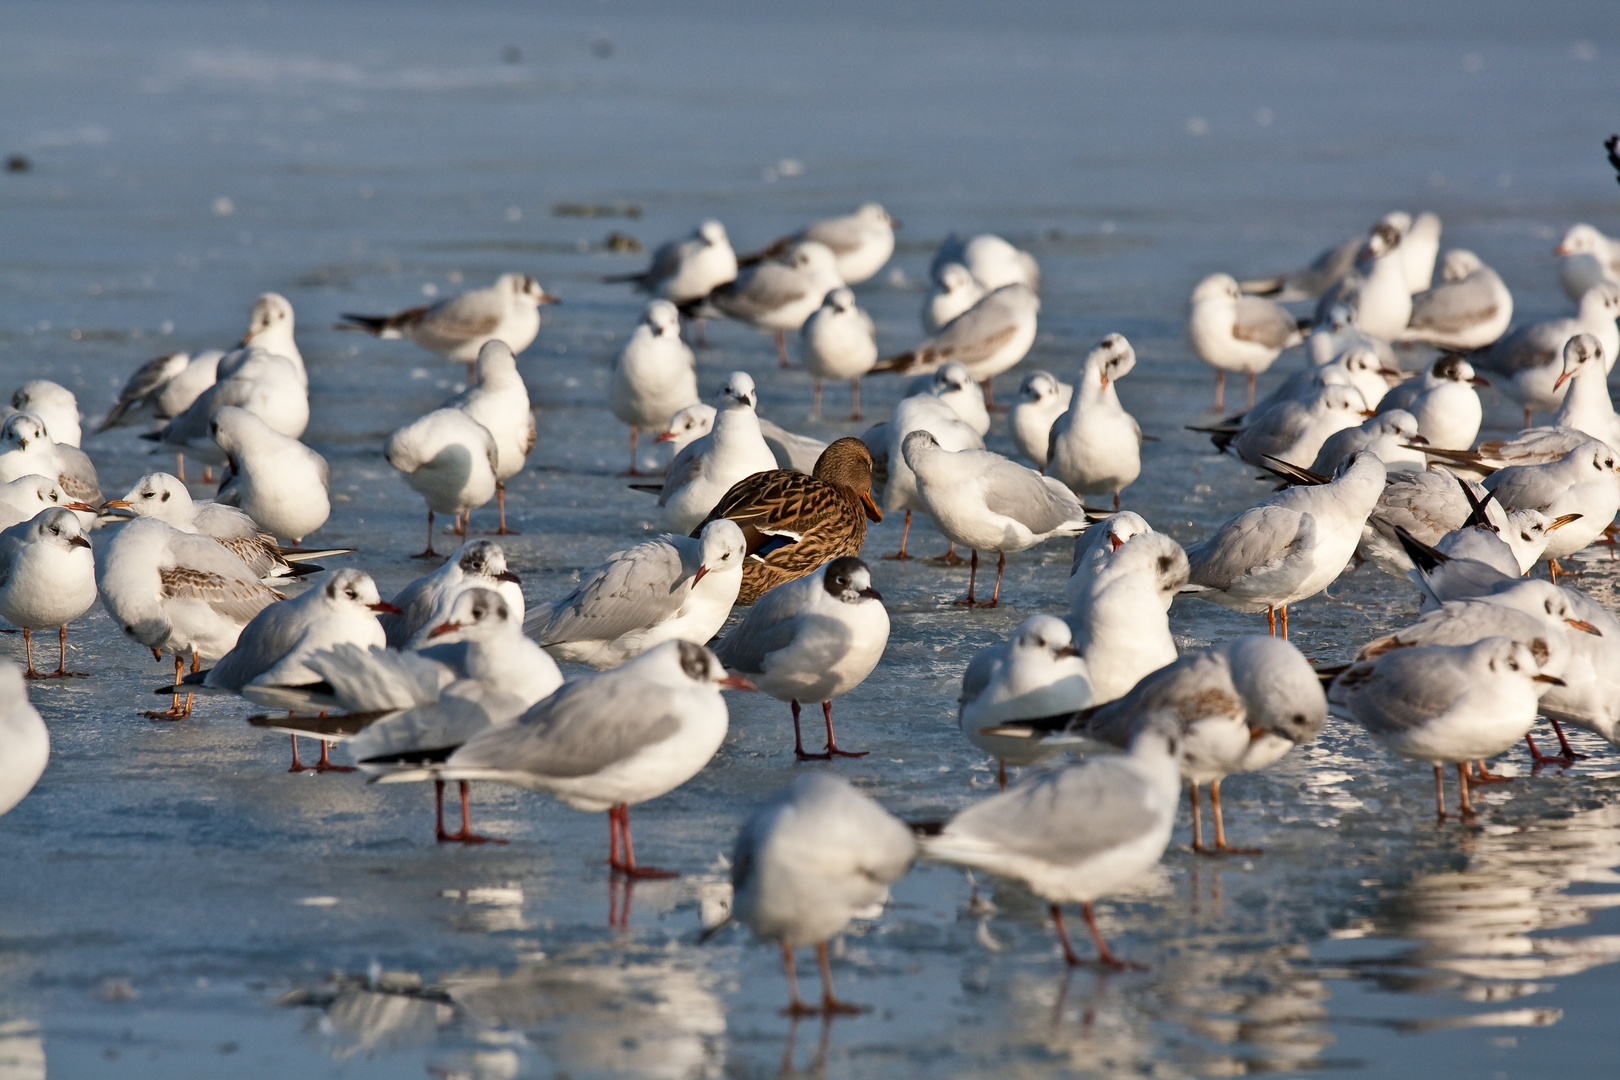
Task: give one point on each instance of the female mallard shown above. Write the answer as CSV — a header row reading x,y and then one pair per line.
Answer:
x,y
794,522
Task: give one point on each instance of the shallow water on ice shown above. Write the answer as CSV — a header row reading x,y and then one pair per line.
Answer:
x,y
173,903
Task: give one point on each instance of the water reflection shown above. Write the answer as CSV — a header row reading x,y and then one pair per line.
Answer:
x,y
22,1051
374,1013
1471,927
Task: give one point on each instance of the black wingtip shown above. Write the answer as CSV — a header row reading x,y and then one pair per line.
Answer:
x,y
1612,145
1476,516
436,756
1292,473
926,828
152,436
1424,557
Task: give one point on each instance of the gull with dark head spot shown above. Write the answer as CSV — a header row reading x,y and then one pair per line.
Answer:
x,y
26,496
682,271
26,449
1528,361
1469,309
47,579
426,602
458,327
1233,332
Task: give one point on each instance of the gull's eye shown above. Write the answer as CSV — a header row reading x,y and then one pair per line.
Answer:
x,y
1548,606
351,594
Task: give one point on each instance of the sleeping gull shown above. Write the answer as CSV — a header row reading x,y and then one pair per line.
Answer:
x,y
1120,615
989,338
500,402
1042,398
279,482
952,290
1469,309
54,404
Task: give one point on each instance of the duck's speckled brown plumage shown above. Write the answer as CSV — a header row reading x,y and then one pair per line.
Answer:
x,y
826,510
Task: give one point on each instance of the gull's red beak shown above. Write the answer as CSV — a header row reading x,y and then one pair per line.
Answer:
x,y
736,682
444,628
383,605
697,577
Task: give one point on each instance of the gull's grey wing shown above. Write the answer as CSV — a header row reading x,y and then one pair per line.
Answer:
x,y
206,571
842,234
1456,306
1533,346
147,380
472,314
1025,496
686,467
973,335
78,478
1259,538
1397,692
635,589
1065,816
1265,323
771,624
1195,686
581,729
770,286
416,603
980,670
263,642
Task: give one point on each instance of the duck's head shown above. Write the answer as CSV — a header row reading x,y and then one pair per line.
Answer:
x,y
846,464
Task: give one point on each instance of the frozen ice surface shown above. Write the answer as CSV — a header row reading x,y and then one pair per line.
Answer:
x,y
167,885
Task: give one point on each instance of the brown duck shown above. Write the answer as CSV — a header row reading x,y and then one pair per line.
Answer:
x,y
794,522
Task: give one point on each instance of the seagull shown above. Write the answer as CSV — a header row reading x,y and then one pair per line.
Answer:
x,y
840,342
56,407
1295,430
426,602
1420,245
810,859
1390,435
260,382
779,293
500,402
458,327
1529,360
47,579
1445,704
1291,546
986,502
812,639
1325,271
1096,447
692,422
992,261
1584,481
1042,398
952,290
274,649
900,492
178,592
280,483
26,496
607,740
450,460
1338,332
860,242
1232,332
1447,408
1469,309
1120,616
1429,505
1095,548
1378,290
1587,407
1037,672
662,589
476,672
25,743
1078,833
1586,258
26,450
1239,707
654,377
270,327
952,384
990,337
144,394
705,470
686,270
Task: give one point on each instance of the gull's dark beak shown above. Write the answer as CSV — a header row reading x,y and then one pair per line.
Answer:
x,y
1067,650
507,575
1479,380
1550,680
78,541
870,593
1418,440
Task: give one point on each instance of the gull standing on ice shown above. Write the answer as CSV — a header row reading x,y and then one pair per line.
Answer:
x,y
1120,616
500,402
1584,481
1378,289
47,579
426,602
1325,271
654,377
812,639
25,743
780,293
1586,258
279,482
991,337
253,379
810,859
1295,430
606,741
1445,704
1078,833
178,592
952,290
840,342
450,460
1469,309
1041,400
1096,447
861,242
1530,359
1233,332
458,327
670,587
1037,672
682,271
1239,707
985,502
1289,547
27,450
706,469
922,413
1587,407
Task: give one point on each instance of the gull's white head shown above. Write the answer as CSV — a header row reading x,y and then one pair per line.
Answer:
x,y
955,277
354,589
841,301
714,232
484,559
160,496
722,546
1583,353
523,287
664,318
476,614
813,257
738,392
57,527
690,423
270,320
1216,287
1581,239
1039,386
1112,359
23,430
